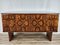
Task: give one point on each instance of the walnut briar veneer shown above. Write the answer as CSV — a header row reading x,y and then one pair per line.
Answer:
x,y
13,22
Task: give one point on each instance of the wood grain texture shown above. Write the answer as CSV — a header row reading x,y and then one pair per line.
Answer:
x,y
30,22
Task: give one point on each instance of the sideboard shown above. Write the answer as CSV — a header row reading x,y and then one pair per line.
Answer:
x,y
20,22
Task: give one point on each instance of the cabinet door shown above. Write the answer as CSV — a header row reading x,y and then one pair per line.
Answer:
x,y
8,22
12,20
40,23
54,22
22,23
43,22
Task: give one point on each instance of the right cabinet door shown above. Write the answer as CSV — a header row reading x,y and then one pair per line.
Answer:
x,y
54,22
43,22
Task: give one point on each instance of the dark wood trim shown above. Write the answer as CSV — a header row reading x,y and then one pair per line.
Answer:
x,y
10,35
49,36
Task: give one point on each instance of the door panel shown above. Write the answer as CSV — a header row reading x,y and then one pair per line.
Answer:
x,y
39,23
22,22
54,22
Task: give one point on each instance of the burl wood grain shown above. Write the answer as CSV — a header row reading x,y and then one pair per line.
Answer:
x,y
30,22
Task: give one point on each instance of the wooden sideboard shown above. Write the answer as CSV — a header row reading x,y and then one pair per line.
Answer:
x,y
15,22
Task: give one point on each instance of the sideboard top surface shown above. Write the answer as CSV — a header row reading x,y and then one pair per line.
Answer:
x,y
30,13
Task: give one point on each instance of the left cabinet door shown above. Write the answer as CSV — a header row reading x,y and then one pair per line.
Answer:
x,y
8,21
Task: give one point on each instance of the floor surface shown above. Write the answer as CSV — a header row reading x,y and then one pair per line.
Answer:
x,y
29,39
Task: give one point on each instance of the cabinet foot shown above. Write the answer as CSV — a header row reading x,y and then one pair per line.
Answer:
x,y
49,36
10,35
